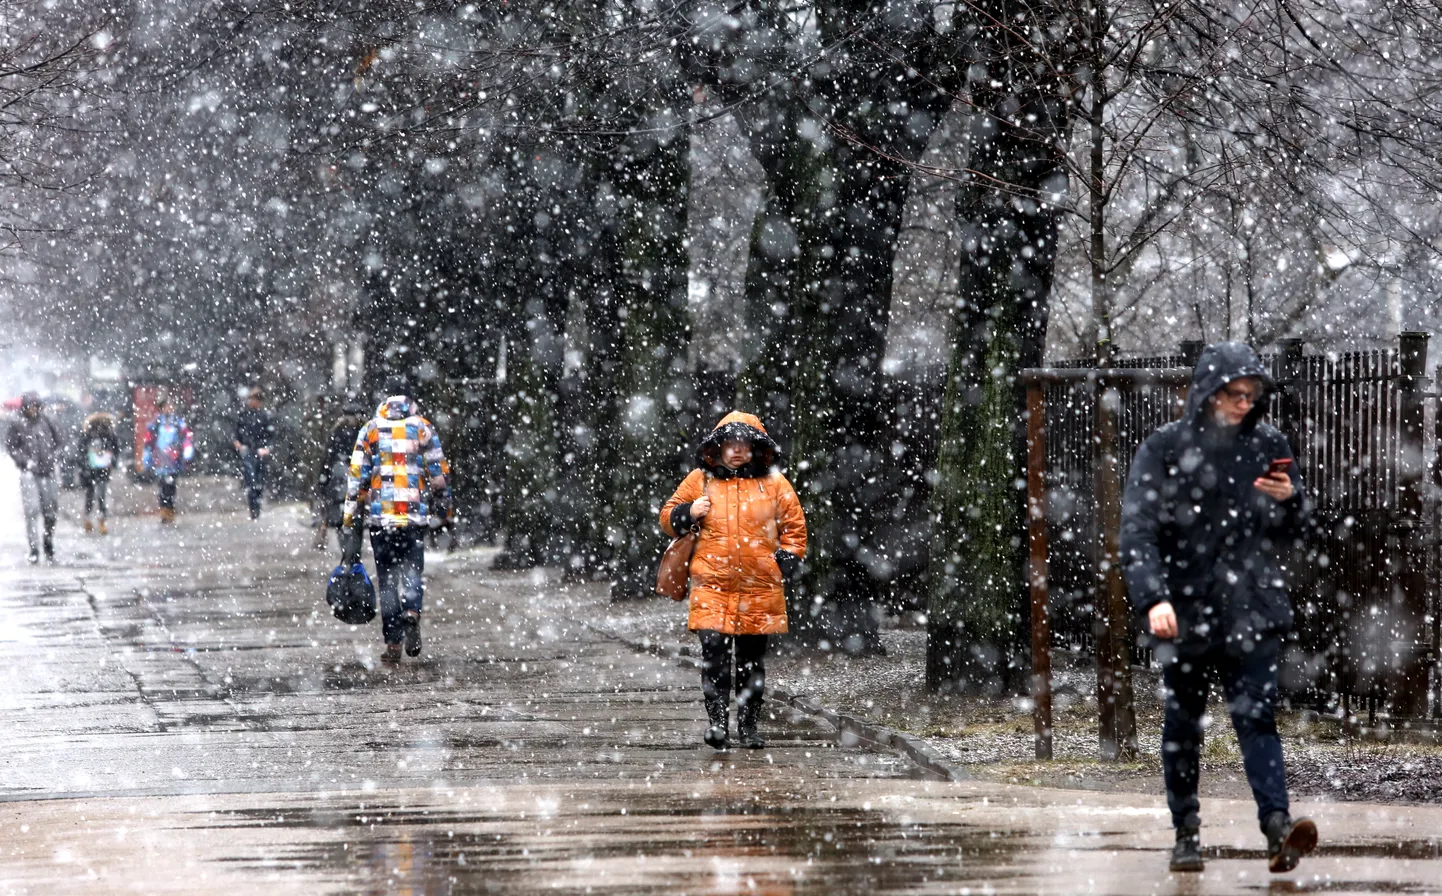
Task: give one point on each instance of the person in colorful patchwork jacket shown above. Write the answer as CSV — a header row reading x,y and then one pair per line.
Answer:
x,y
398,483
168,450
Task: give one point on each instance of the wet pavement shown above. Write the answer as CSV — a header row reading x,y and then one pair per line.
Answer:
x,y
185,716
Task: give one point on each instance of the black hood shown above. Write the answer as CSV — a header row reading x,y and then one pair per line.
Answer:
x,y
1219,364
764,452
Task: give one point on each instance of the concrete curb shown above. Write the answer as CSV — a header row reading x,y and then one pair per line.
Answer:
x,y
850,729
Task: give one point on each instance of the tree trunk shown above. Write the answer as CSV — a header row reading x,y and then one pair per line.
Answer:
x,y
977,627
836,393
534,328
647,442
819,284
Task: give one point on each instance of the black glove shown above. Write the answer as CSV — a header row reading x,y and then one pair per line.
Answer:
x,y
350,547
790,564
681,521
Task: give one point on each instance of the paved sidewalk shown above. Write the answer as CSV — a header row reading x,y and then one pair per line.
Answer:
x,y
186,717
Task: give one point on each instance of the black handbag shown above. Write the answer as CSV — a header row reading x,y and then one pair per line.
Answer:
x,y
351,595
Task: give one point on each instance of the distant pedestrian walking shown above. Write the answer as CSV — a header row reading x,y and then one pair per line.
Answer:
x,y
98,454
398,484
330,484
34,444
168,451
1213,510
752,538
254,436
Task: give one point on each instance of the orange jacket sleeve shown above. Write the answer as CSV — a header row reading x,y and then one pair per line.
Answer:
x,y
689,490
791,520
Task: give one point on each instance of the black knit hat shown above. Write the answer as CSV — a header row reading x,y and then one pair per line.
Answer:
x,y
397,384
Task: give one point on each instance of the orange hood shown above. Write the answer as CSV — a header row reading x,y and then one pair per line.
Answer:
x,y
739,426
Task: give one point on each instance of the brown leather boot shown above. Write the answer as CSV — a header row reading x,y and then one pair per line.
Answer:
x,y
85,524
1288,840
101,527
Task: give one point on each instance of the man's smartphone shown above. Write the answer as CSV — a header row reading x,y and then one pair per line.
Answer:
x,y
1280,465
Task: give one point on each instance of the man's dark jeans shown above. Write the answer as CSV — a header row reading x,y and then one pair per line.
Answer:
x,y
716,650
252,473
1249,681
400,564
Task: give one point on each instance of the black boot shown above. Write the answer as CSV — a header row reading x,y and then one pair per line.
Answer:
x,y
717,711
411,624
1288,841
1187,853
746,716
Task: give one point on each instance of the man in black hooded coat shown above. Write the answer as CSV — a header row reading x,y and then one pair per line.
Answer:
x,y
1207,533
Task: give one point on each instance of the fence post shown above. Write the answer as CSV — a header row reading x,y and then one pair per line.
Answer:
x,y
1412,650
1037,543
1192,351
1290,422
1118,725
1434,522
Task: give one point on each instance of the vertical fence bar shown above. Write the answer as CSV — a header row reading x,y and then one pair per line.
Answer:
x,y
1290,418
1351,411
1410,690
1333,431
1037,543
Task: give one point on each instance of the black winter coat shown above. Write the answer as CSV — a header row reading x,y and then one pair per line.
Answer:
x,y
334,466
34,444
1196,532
254,428
96,441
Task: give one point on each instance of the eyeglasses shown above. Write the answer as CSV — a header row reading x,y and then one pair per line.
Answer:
x,y
1241,394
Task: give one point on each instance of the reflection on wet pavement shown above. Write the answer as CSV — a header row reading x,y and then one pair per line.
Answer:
x,y
731,827
650,850
193,721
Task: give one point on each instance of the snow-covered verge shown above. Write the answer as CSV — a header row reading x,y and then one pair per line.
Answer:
x,y
992,737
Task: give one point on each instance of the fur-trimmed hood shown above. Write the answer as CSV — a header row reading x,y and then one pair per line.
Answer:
x,y
739,426
100,420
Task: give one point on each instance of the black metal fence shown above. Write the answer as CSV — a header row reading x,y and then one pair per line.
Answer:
x,y
1367,595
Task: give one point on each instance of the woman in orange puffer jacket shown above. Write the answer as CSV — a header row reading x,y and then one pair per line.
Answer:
x,y
752,538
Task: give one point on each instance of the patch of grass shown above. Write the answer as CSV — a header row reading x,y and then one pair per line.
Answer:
x,y
1220,745
1074,773
1370,750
